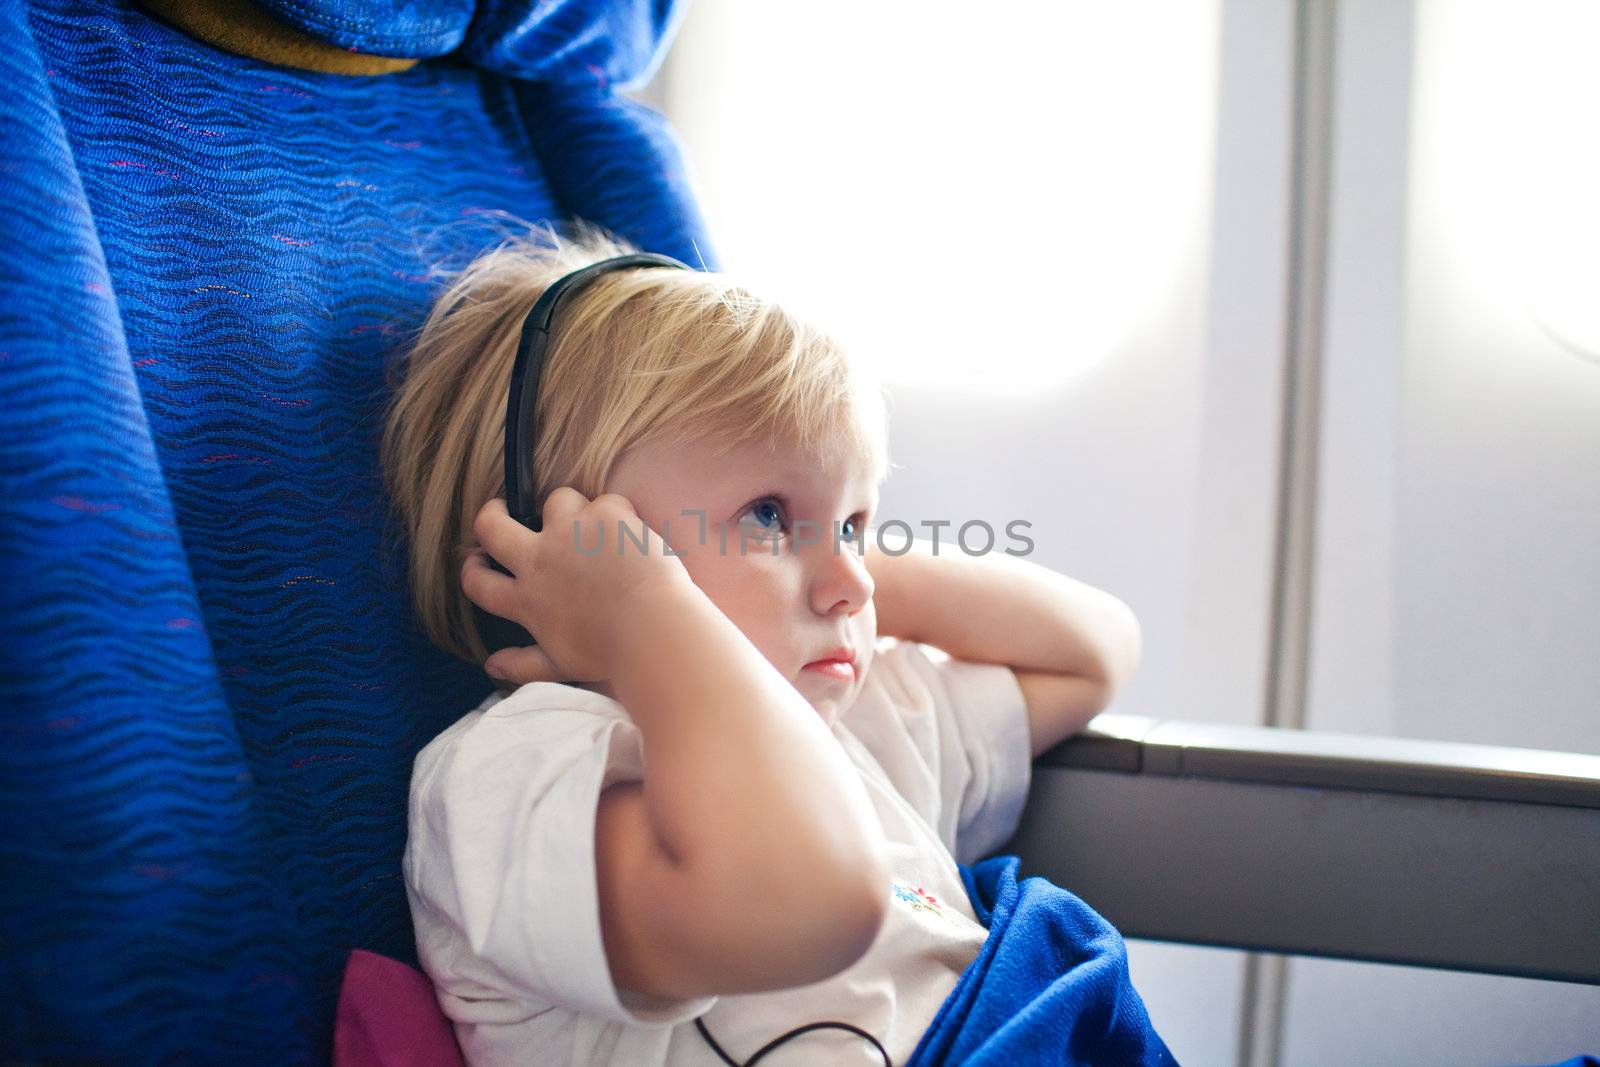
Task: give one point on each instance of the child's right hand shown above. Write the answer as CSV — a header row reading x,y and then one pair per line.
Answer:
x,y
569,599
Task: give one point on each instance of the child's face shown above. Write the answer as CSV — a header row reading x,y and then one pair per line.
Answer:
x,y
795,606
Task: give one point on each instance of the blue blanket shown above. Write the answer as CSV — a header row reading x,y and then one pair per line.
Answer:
x,y
1050,984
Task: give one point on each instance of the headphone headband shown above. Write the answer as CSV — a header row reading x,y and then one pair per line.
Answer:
x,y
521,431
521,427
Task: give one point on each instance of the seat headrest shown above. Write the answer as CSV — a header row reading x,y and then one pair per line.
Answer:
x,y
600,43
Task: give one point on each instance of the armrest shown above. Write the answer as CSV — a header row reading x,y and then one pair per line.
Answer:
x,y
1469,857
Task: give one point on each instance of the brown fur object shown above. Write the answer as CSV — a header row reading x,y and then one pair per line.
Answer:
x,y
242,28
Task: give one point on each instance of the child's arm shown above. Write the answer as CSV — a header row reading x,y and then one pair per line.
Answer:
x,y
770,870
750,857
1071,646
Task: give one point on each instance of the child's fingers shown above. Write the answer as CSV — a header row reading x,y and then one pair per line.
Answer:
x,y
523,665
506,539
488,588
561,501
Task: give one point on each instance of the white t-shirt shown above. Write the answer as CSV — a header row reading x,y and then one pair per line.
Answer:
x,y
500,872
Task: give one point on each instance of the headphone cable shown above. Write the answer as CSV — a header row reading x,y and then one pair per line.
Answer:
x,y
775,1042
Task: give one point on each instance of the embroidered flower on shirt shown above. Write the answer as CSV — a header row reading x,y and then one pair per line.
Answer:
x,y
918,898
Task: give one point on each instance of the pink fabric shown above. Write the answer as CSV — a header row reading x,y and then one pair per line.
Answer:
x,y
389,1017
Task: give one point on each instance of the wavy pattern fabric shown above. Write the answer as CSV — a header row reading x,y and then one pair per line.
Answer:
x,y
211,690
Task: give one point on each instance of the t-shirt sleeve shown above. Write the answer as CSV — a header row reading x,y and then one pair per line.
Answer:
x,y
952,737
500,856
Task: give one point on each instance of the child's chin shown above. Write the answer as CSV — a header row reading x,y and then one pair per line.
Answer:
x,y
829,708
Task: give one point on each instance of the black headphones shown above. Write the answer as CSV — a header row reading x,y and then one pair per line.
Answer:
x,y
521,428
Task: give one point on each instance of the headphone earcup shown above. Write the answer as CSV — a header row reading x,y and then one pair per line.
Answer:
x,y
498,632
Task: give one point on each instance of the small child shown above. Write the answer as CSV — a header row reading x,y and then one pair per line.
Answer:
x,y
725,795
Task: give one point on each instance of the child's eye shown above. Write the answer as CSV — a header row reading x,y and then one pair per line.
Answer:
x,y
769,518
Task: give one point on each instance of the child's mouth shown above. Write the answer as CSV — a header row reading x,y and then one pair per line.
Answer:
x,y
833,668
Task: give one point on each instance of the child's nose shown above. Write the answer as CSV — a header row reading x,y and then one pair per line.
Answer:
x,y
841,580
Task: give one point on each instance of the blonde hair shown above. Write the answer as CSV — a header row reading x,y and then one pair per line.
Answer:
x,y
638,357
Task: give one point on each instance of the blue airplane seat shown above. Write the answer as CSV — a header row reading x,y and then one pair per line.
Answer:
x,y
211,689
